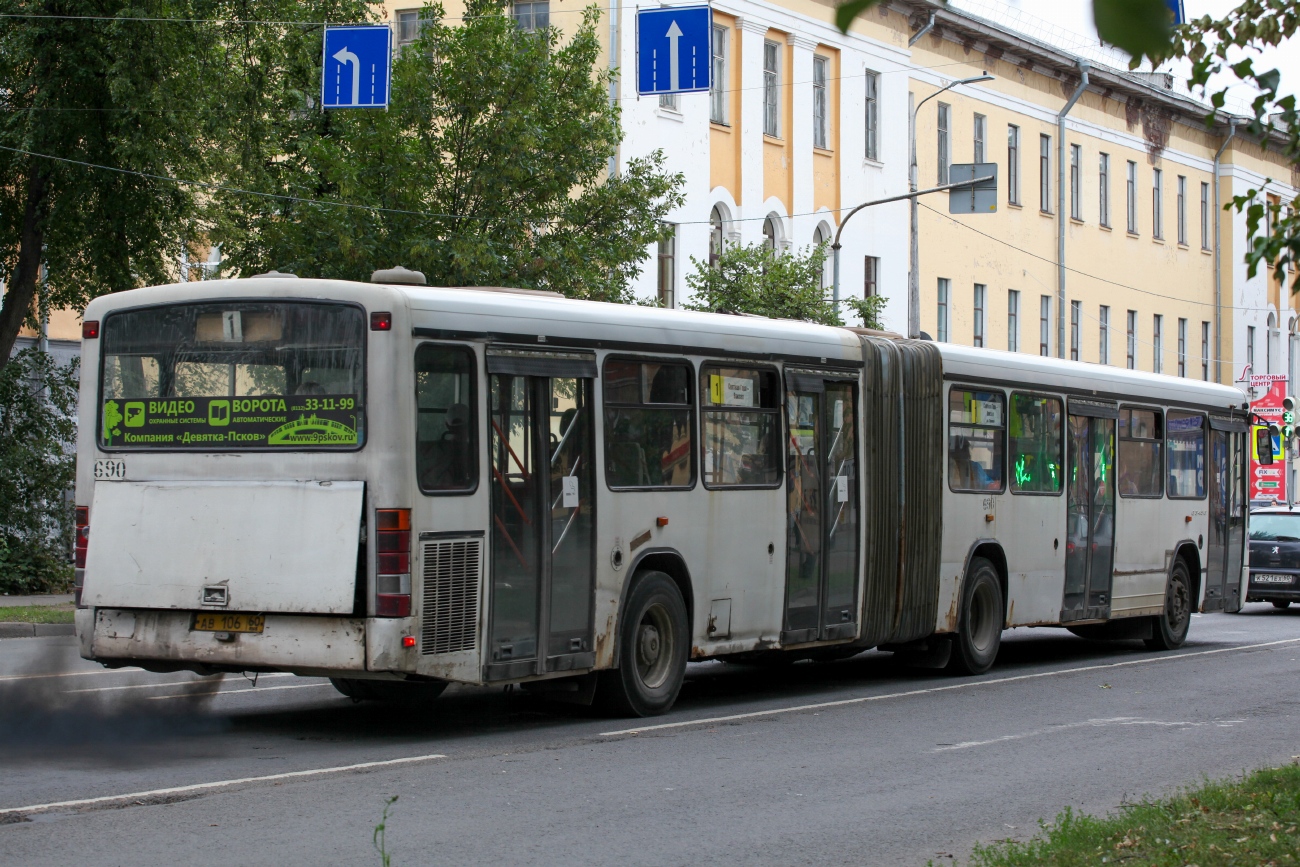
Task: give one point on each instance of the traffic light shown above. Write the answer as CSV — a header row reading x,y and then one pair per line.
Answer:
x,y
1288,417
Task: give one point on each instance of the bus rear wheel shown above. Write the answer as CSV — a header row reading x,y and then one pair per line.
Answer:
x,y
653,645
979,629
1169,630
1282,603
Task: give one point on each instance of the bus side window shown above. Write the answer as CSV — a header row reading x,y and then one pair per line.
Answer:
x,y
1036,464
446,433
1141,464
648,424
1186,437
976,428
741,427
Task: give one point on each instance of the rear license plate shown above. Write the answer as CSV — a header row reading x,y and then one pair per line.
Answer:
x,y
1272,579
204,622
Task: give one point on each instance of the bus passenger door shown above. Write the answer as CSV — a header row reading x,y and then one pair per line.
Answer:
x,y
1090,514
543,521
821,512
1223,545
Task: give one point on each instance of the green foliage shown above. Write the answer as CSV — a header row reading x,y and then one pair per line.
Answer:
x,y
1252,821
868,310
1140,27
1207,42
380,838
36,614
38,400
750,278
846,12
490,162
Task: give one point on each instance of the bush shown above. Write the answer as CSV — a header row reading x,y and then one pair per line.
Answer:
x,y
38,431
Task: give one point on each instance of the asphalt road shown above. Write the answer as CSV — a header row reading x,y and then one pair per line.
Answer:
x,y
857,762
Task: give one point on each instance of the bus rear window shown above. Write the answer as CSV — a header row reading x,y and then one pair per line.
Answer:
x,y
234,375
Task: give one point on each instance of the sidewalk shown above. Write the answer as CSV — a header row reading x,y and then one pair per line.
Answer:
x,y
35,630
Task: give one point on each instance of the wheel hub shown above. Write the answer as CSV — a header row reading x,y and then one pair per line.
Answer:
x,y
648,645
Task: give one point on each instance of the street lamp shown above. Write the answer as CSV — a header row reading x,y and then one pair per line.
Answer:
x,y
914,277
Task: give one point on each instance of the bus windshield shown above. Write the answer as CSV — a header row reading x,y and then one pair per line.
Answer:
x,y
233,375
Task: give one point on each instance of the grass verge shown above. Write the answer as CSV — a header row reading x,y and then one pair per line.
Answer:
x,y
1250,821
37,614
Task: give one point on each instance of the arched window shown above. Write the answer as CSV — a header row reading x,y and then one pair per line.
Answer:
x,y
715,235
771,235
822,235
1271,359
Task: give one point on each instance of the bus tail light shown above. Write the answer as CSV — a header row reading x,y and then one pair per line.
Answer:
x,y
80,542
393,562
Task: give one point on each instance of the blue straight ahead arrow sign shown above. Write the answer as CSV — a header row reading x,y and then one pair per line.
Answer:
x,y
672,46
357,67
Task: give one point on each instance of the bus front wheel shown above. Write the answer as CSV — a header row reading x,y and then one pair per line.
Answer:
x,y
653,645
1169,630
979,630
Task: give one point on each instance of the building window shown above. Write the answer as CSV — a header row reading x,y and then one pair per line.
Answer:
x,y
1075,311
1131,358
821,136
945,145
978,319
1076,200
532,16
409,25
715,235
822,237
1250,347
1157,344
870,276
718,85
1182,210
873,116
1045,325
770,235
1103,190
981,123
1182,347
942,326
668,101
1013,164
771,89
1132,197
648,424
666,267
1205,351
1103,335
1045,174
1013,320
1157,210
1205,216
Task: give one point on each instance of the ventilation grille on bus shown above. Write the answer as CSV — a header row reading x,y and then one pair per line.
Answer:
x,y
451,576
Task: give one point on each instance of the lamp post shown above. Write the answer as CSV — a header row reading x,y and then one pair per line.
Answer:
x,y
914,278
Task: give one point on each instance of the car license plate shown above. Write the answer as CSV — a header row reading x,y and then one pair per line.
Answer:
x,y
204,622
1272,579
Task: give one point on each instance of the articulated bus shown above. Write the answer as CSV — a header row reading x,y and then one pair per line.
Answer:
x,y
400,487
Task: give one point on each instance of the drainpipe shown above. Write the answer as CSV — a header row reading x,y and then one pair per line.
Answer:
x,y
613,75
929,25
1060,199
1218,274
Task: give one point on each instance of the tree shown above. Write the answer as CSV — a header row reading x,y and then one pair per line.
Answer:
x,y
753,279
87,81
490,167
37,436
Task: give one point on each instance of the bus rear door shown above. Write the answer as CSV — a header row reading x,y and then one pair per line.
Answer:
x,y
1090,511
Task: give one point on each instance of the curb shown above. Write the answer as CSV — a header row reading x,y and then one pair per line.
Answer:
x,y
36,630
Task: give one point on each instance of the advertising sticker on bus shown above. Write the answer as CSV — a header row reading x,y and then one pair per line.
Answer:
x,y
263,421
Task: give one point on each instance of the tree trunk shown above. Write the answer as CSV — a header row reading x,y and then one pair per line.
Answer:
x,y
22,286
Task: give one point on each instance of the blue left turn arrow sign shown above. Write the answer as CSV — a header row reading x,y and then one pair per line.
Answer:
x,y
357,67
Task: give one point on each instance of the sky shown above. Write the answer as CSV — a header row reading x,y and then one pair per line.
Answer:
x,y
1074,17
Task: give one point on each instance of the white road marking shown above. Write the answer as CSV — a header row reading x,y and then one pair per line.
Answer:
x,y
236,691
219,784
70,673
758,714
162,684
1091,723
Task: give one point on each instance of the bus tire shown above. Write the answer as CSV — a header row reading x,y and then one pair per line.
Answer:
x,y
1282,603
1169,630
654,641
979,630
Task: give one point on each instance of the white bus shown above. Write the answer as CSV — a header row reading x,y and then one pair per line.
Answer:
x,y
401,487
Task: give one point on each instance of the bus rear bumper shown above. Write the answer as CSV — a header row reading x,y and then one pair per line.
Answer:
x,y
287,642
